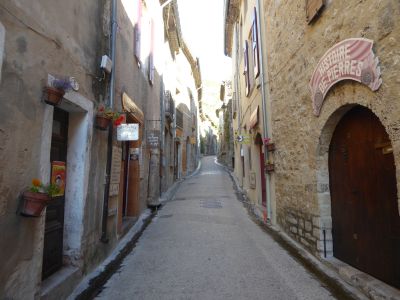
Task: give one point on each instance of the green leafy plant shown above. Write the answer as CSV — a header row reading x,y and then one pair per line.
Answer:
x,y
38,187
108,113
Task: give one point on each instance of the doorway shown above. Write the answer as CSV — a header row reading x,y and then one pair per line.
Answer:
x,y
365,215
54,224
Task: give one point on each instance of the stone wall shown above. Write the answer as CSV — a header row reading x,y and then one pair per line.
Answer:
x,y
302,139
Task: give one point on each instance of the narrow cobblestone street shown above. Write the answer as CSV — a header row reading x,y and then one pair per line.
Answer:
x,y
203,245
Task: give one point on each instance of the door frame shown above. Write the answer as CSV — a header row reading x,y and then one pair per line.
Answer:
x,y
81,114
322,178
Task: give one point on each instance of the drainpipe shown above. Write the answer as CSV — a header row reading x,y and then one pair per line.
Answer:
x,y
104,237
264,104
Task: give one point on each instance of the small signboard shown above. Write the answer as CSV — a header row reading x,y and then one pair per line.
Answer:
x,y
153,139
128,132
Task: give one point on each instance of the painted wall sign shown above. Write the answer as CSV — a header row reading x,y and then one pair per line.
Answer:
x,y
350,59
128,132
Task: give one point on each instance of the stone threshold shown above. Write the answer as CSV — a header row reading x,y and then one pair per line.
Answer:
x,y
60,283
372,287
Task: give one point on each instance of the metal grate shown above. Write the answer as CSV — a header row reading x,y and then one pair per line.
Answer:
x,y
210,203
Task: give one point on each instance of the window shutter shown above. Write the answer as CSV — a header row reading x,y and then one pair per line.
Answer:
x,y
246,67
137,32
151,56
256,57
313,7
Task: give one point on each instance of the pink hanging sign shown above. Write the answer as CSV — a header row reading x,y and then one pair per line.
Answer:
x,y
351,59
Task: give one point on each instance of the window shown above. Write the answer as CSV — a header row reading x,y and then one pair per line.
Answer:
x,y
246,68
151,56
137,33
313,8
254,38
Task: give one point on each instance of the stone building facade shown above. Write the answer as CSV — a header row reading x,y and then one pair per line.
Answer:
x,y
242,43
331,83
106,180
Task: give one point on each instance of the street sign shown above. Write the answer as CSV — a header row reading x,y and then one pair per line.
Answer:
x,y
128,132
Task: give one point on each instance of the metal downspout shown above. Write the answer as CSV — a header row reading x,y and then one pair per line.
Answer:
x,y
104,237
264,109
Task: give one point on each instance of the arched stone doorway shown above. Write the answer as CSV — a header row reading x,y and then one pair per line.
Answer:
x,y
359,207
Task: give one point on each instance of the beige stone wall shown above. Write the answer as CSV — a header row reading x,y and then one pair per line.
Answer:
x,y
302,139
246,105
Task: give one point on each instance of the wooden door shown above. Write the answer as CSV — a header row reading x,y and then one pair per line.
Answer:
x,y
365,215
54,226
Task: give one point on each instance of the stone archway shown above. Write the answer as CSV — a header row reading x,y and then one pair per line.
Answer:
x,y
357,194
325,244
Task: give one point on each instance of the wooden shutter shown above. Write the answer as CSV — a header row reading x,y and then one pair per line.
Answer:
x,y
246,67
137,32
151,56
313,7
256,54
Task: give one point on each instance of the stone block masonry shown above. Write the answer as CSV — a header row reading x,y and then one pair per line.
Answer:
x,y
306,229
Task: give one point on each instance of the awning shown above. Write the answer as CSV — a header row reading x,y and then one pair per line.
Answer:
x,y
130,107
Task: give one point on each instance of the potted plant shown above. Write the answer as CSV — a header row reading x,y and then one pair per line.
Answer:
x,y
269,144
35,199
54,93
269,166
105,115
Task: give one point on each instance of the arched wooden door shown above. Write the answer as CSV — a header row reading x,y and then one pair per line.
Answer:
x,y
365,215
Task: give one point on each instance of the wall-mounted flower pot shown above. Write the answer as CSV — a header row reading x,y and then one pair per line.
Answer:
x,y
270,147
102,122
269,167
33,203
52,95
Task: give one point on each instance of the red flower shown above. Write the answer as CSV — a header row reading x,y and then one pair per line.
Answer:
x,y
119,120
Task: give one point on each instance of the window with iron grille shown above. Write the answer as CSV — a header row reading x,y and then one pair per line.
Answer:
x,y
179,119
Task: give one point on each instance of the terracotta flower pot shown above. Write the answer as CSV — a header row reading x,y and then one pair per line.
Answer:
x,y
52,95
102,122
33,203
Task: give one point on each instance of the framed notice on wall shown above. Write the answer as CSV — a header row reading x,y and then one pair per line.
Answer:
x,y
58,176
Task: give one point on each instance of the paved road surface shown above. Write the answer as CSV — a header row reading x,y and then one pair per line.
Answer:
x,y
203,245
